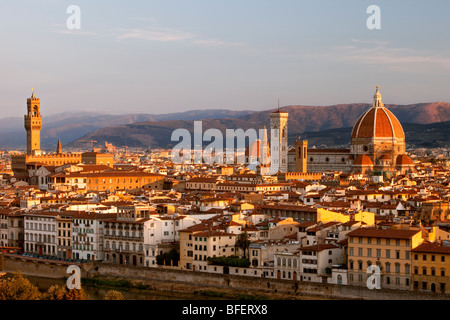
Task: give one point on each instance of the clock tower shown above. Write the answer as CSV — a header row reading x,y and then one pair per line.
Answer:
x,y
33,126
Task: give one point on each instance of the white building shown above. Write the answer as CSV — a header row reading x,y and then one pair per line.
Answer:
x,y
40,233
164,230
88,236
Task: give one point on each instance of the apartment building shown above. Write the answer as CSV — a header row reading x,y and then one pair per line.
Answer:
x,y
431,267
311,263
88,230
40,233
389,249
124,235
164,230
197,244
64,237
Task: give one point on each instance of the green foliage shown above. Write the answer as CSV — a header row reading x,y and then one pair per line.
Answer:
x,y
243,242
169,258
106,282
230,261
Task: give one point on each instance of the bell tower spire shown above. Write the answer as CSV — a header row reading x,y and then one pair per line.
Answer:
x,y
59,147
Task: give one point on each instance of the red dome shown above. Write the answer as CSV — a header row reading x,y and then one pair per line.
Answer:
x,y
404,160
363,160
378,122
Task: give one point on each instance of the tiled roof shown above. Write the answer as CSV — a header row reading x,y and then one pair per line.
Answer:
x,y
383,233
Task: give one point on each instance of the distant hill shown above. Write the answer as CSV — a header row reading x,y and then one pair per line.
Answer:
x,y
74,125
433,135
313,120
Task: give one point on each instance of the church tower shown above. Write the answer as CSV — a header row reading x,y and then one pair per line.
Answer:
x,y
33,125
59,147
279,141
301,154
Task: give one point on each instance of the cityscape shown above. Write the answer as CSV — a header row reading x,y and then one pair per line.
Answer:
x,y
227,203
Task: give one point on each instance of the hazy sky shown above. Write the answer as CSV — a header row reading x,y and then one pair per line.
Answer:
x,y
169,56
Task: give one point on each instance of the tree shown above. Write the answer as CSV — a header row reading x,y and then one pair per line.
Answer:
x,y
18,288
243,242
114,295
57,292
169,258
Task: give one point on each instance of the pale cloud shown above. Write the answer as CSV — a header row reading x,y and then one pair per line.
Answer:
x,y
162,34
381,53
156,34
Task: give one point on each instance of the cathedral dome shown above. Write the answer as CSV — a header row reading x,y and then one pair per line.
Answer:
x,y
404,160
378,122
363,160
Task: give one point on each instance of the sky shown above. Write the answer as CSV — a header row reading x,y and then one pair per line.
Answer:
x,y
159,56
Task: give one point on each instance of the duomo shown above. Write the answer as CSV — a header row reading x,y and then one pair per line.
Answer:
x,y
377,145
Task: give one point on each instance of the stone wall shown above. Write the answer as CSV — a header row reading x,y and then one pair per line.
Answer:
x,y
34,267
217,281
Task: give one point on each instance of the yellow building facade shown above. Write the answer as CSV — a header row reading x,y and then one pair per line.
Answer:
x,y
389,249
431,267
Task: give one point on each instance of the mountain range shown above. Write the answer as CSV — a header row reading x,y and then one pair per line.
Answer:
x,y
322,125
302,119
72,126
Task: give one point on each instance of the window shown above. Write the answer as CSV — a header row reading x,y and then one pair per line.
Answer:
x,y
388,253
360,252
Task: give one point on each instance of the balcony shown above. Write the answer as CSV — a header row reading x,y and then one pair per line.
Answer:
x,y
128,238
123,250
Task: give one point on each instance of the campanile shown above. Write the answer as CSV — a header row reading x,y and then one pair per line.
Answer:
x,y
33,125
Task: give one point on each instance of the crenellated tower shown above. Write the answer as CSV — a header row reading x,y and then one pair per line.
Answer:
x,y
33,125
